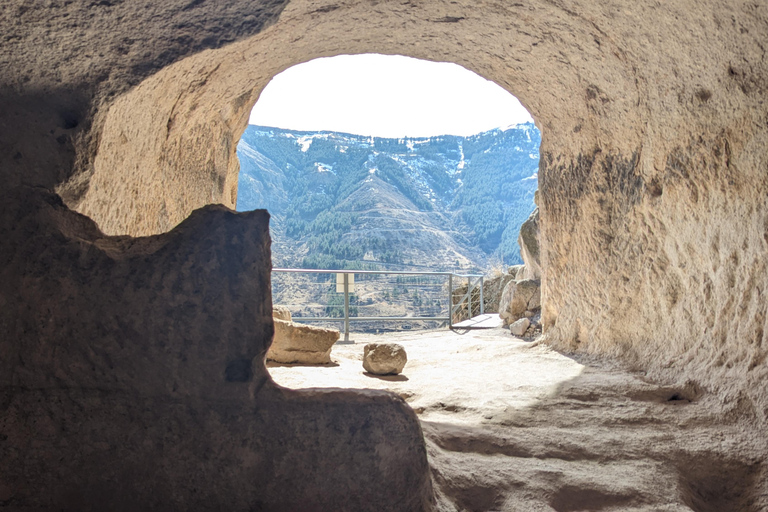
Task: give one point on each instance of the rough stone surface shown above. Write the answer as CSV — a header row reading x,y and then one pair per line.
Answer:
x,y
518,327
576,433
528,240
652,209
138,378
281,313
492,290
384,358
519,297
304,344
651,142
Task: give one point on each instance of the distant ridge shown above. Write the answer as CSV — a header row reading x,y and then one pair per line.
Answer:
x,y
341,200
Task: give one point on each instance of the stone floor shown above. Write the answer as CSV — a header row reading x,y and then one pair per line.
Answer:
x,y
513,425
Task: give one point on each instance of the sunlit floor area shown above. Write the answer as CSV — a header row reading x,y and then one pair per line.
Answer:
x,y
513,425
463,376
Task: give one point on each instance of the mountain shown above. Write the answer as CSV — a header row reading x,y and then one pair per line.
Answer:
x,y
348,201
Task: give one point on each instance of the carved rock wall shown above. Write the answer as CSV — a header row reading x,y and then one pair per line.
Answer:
x,y
174,134
665,267
654,224
652,137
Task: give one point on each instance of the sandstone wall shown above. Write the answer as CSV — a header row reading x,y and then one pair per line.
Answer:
x,y
653,179
666,271
174,135
653,216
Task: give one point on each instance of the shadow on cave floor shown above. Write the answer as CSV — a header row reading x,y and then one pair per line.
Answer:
x,y
274,364
512,425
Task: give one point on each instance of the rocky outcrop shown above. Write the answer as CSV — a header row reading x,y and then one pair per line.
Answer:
x,y
528,240
384,358
302,344
519,297
145,346
493,290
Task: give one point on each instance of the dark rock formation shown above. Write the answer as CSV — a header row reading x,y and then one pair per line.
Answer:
x,y
133,378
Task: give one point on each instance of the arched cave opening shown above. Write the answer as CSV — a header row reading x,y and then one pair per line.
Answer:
x,y
432,168
442,139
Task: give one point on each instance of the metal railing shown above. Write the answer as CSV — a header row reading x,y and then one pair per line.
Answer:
x,y
344,283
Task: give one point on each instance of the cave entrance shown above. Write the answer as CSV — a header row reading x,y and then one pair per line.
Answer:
x,y
388,163
372,163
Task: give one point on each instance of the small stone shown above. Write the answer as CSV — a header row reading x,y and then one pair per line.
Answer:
x,y
519,327
528,314
384,358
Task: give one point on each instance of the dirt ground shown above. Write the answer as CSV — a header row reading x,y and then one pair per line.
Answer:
x,y
513,425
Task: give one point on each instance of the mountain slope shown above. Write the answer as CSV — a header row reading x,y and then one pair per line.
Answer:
x,y
348,201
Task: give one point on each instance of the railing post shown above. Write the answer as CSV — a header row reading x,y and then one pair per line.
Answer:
x,y
450,301
469,297
482,303
346,308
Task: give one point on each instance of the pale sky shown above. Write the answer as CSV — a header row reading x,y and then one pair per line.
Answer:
x,y
385,96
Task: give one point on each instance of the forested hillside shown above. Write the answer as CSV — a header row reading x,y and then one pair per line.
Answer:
x,y
348,201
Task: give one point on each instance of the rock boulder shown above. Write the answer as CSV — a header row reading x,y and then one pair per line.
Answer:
x,y
304,344
519,297
519,327
384,358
